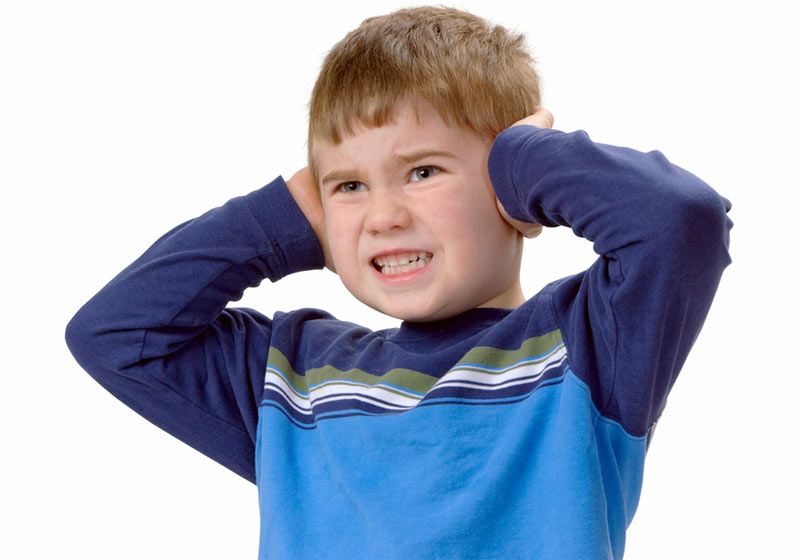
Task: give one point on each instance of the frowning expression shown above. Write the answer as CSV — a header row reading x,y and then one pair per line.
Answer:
x,y
411,219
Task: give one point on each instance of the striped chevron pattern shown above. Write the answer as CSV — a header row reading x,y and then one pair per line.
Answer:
x,y
484,375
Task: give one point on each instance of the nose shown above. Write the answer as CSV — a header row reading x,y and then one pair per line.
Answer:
x,y
386,211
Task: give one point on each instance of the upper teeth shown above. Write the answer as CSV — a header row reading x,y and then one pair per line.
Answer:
x,y
401,258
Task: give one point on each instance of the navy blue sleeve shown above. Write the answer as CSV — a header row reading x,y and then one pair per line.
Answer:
x,y
160,338
662,236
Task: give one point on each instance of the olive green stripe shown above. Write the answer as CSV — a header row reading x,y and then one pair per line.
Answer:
x,y
416,381
499,358
413,380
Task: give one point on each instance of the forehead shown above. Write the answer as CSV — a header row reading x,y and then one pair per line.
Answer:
x,y
412,131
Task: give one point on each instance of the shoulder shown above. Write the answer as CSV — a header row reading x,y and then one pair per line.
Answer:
x,y
318,323
538,314
310,334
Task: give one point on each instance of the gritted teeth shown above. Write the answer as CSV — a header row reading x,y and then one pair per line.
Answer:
x,y
400,259
400,263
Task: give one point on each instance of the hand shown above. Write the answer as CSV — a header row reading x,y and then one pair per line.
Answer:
x,y
528,229
306,195
543,119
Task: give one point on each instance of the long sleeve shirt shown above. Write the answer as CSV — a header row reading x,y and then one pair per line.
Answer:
x,y
495,433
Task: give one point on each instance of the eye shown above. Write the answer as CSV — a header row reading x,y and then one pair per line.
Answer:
x,y
343,187
423,168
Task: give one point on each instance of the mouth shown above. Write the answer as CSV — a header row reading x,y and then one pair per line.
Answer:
x,y
400,263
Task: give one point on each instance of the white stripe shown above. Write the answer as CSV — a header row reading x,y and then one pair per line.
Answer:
x,y
505,384
324,392
333,398
366,399
329,390
472,377
462,374
383,385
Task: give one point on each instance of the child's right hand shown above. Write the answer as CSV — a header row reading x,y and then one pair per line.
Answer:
x,y
306,194
543,119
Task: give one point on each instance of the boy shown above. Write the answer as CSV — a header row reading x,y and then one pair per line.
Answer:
x,y
487,425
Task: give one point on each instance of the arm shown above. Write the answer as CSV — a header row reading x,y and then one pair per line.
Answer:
x,y
159,337
662,236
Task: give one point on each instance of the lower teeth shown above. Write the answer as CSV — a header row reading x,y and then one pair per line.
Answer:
x,y
400,269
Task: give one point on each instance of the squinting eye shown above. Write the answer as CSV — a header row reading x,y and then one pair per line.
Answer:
x,y
342,186
426,167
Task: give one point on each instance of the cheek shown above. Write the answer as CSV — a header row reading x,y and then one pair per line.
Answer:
x,y
474,231
341,233
472,217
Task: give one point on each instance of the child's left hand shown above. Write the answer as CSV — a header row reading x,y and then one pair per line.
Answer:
x,y
543,119
528,229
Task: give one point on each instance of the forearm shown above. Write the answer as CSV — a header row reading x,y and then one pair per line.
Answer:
x,y
188,276
159,337
662,237
611,195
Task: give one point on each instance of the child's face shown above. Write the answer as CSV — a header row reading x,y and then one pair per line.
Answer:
x,y
436,205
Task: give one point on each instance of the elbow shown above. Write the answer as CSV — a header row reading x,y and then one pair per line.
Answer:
x,y
80,340
100,343
709,222
698,213
701,232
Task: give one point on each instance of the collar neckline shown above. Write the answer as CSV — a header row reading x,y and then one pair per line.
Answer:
x,y
466,321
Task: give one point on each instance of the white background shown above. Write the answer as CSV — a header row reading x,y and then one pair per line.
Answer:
x,y
119,120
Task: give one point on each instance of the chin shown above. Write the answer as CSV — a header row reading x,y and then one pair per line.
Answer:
x,y
409,312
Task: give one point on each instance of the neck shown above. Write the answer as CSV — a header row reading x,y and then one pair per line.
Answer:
x,y
510,299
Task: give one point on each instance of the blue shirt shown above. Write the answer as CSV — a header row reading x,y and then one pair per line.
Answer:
x,y
495,433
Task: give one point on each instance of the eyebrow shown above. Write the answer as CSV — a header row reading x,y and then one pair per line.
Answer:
x,y
401,159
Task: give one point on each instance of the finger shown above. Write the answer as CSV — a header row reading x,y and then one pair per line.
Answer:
x,y
533,232
541,118
544,117
500,207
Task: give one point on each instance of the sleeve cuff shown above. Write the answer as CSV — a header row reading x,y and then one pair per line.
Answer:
x,y
286,227
502,164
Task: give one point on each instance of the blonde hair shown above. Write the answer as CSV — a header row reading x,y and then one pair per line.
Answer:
x,y
476,75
